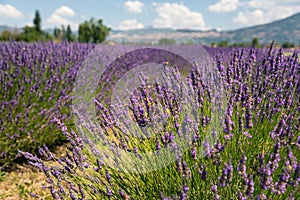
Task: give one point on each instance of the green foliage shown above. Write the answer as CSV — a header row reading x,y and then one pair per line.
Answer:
x,y
166,41
69,34
62,34
37,22
56,33
288,45
30,34
84,33
7,35
223,43
255,42
3,175
91,31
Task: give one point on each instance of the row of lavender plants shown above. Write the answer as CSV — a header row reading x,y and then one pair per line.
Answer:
x,y
35,82
256,155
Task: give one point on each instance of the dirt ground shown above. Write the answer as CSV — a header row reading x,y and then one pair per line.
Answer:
x,y
26,181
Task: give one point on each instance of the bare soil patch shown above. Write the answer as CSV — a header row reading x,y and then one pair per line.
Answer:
x,y
26,182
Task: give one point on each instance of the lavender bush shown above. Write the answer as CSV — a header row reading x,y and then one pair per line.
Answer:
x,y
35,80
256,155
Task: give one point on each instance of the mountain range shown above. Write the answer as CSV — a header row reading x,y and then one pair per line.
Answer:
x,y
284,30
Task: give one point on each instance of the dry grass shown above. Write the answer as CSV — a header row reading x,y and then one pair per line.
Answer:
x,y
25,180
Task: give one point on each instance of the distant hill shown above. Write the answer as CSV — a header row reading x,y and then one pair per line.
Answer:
x,y
7,28
284,30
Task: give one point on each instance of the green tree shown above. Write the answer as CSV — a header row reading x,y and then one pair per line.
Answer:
x,y
30,34
223,43
100,32
255,42
56,33
37,22
288,45
91,31
34,33
69,34
84,32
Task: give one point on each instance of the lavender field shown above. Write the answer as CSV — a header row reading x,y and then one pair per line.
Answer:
x,y
241,128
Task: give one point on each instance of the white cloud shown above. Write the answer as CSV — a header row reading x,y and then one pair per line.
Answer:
x,y
224,6
64,11
250,18
61,17
176,15
261,4
130,24
56,19
266,11
134,6
279,8
254,12
9,11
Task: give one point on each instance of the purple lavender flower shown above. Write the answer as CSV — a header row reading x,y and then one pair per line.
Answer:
x,y
123,195
194,153
242,169
214,190
184,192
186,170
240,196
250,186
179,165
226,176
261,197
202,171
108,191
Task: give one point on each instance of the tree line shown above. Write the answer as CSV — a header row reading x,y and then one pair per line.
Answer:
x,y
93,31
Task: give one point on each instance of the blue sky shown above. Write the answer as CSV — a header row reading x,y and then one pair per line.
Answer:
x,y
117,14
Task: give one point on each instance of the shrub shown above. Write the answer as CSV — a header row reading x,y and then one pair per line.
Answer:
x,y
255,156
